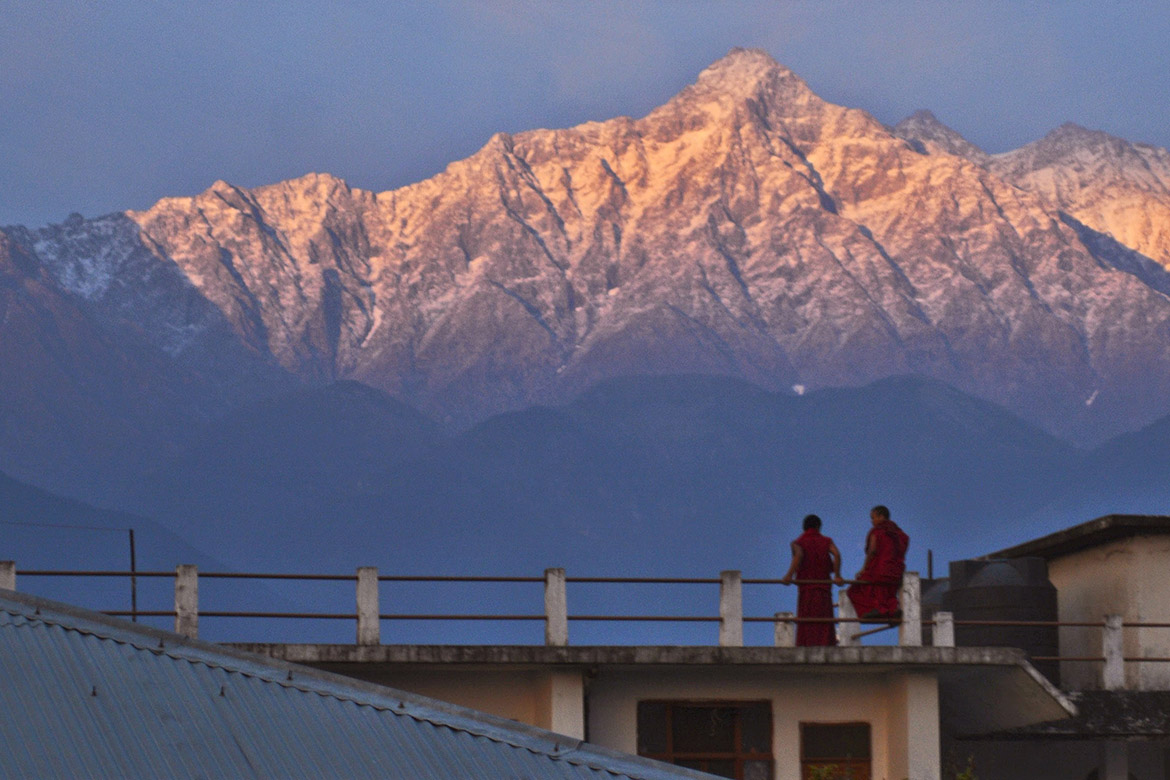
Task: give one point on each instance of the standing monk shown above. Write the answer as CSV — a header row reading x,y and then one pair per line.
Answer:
x,y
885,560
814,557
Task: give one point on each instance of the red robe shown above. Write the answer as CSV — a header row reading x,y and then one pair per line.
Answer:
x,y
814,601
883,572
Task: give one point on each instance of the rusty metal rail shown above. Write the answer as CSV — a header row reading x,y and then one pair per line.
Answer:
x,y
556,616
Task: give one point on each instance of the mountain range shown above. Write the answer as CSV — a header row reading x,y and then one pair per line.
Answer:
x,y
491,336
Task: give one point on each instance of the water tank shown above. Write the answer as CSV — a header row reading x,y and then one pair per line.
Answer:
x,y
1015,589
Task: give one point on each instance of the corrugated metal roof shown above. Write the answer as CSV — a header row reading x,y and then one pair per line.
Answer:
x,y
85,695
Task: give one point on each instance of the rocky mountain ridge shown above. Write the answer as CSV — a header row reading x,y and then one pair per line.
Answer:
x,y
745,228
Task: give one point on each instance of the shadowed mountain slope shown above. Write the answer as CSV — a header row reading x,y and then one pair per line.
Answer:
x,y
716,470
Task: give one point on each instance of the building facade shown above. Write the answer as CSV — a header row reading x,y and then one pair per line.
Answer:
x,y
1099,709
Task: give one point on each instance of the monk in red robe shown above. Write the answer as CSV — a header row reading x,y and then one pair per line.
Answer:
x,y
885,561
816,558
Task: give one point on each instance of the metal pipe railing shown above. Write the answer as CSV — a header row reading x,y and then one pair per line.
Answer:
x,y
556,615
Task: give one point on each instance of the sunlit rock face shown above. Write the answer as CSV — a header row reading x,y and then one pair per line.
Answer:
x,y
1110,185
745,228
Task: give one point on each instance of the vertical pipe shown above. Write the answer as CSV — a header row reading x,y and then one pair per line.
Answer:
x,y
133,580
8,575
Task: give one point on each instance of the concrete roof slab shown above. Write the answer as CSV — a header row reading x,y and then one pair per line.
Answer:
x,y
542,655
981,689
977,700
1101,714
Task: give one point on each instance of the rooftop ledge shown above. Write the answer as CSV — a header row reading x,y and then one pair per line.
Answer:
x,y
639,655
981,689
1091,534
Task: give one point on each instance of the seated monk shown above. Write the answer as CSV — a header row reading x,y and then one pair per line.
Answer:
x,y
885,561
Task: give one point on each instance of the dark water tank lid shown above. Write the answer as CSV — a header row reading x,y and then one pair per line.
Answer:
x,y
995,574
933,592
1012,572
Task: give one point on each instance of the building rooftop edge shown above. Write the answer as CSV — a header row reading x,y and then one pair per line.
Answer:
x,y
1090,534
952,664
637,655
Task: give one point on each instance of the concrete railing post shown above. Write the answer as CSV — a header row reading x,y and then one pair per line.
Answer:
x,y
944,629
910,630
369,625
1113,648
187,600
556,608
8,575
1116,761
730,609
847,630
785,633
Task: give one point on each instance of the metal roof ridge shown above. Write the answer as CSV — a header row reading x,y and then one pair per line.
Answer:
x,y
438,713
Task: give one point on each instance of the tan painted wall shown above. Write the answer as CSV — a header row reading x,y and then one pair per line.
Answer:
x,y
900,744
901,707
1128,577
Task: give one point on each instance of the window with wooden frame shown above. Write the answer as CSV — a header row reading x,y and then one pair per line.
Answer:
x,y
835,751
725,738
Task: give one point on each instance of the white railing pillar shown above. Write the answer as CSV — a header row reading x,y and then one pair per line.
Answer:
x,y
730,608
847,630
556,608
943,634
1116,761
187,600
1113,648
785,631
8,575
369,625
910,629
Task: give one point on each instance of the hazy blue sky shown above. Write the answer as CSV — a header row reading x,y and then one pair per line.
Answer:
x,y
106,106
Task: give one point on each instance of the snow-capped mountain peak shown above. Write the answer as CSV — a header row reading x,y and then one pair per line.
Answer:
x,y
746,227
925,127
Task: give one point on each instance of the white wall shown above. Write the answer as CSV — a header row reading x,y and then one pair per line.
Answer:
x,y
1128,577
